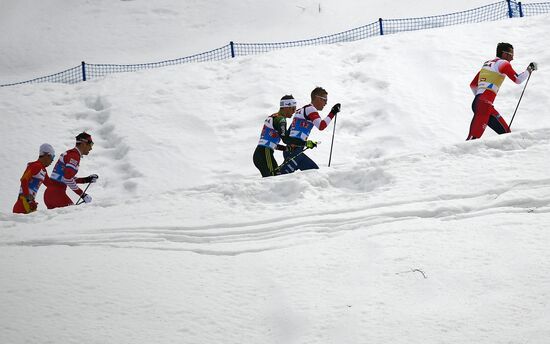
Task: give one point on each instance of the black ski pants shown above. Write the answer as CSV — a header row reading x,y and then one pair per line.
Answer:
x,y
265,161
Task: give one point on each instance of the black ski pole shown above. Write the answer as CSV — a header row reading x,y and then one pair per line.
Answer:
x,y
332,142
80,197
524,87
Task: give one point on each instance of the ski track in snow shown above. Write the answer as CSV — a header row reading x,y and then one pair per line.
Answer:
x,y
262,234
289,232
285,233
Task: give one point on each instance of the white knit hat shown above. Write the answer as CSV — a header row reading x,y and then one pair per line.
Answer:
x,y
46,148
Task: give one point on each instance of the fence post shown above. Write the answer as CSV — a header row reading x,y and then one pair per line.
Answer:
x,y
510,13
232,49
381,27
83,71
520,9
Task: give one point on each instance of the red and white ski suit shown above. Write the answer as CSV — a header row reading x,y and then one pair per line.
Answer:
x,y
34,176
485,86
63,175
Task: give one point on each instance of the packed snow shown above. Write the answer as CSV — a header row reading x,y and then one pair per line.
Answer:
x,y
412,235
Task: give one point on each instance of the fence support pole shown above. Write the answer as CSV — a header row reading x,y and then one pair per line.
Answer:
x,y
232,45
381,27
510,13
520,9
83,71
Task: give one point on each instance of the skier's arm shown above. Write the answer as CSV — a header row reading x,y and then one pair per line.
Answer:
x,y
506,68
293,141
280,126
70,180
31,170
474,83
69,174
321,124
25,180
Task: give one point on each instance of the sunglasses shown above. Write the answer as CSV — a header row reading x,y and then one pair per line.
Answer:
x,y
324,98
86,141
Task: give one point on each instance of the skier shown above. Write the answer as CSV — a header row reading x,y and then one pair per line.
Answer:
x,y
485,86
64,173
300,128
34,176
273,131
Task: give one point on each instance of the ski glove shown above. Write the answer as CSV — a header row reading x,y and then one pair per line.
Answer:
x,y
92,178
87,198
533,66
335,109
33,206
311,144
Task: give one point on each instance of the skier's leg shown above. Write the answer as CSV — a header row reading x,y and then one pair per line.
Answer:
x,y
56,197
263,160
498,124
481,117
290,165
305,163
271,162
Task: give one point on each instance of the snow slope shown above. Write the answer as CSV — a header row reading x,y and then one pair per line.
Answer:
x,y
50,36
411,236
